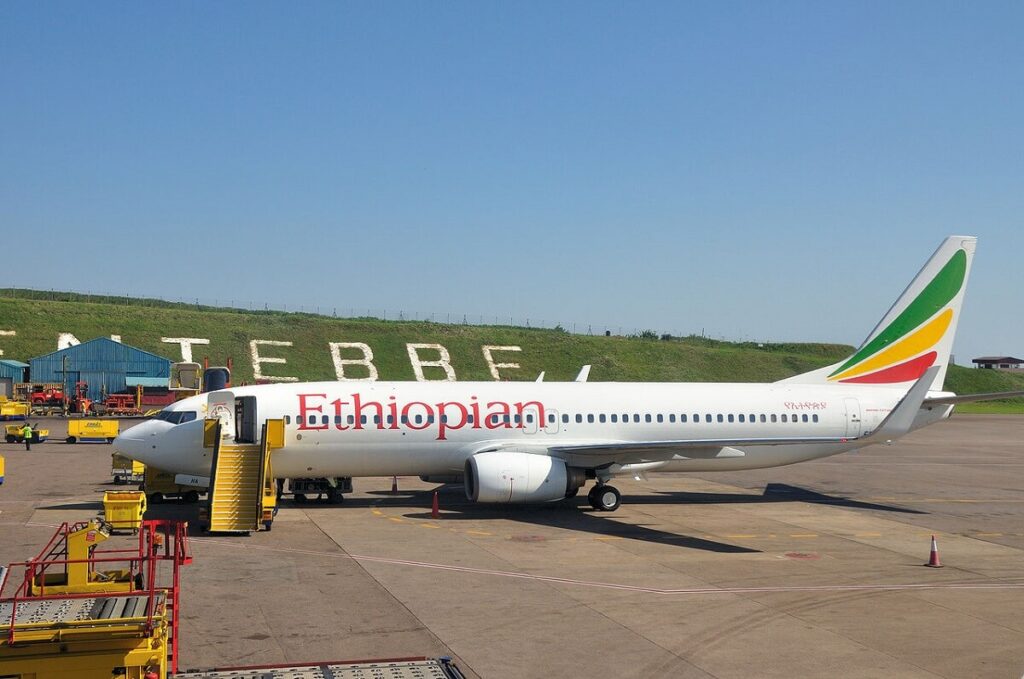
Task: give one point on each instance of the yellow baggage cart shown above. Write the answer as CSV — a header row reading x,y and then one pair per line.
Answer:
x,y
93,431
125,470
1,470
123,509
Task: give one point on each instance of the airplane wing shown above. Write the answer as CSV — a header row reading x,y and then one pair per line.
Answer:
x,y
972,398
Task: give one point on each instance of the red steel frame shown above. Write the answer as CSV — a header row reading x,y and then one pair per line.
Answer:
x,y
159,540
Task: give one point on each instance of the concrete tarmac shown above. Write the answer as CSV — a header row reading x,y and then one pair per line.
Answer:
x,y
812,570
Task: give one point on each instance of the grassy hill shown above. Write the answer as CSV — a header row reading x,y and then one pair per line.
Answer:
x,y
39,317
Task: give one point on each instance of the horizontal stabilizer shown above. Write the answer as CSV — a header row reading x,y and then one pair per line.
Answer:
x,y
972,398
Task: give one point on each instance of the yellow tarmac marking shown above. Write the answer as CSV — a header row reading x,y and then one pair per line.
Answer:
x,y
428,525
396,519
803,535
868,535
478,532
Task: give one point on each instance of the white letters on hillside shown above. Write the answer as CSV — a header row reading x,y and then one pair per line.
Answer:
x,y
487,349
186,345
418,364
257,360
340,363
6,333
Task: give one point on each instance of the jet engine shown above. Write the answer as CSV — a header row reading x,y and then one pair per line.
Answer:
x,y
512,477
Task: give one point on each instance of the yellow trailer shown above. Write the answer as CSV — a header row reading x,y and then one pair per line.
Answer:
x,y
125,470
14,410
1,470
93,431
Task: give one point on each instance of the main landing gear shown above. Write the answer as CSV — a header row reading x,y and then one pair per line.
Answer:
x,y
604,498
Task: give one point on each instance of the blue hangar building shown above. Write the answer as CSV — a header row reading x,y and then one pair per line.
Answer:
x,y
105,365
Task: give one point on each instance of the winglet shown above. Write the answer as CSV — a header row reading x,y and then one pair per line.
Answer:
x,y
901,419
584,374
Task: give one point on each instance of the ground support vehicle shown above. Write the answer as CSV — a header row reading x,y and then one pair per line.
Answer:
x,y
93,431
123,509
160,485
13,434
125,470
122,626
14,410
1,470
332,490
122,405
397,668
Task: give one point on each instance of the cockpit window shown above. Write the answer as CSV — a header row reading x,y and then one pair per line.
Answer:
x,y
176,416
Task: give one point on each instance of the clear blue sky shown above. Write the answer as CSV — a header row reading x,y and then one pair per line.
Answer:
x,y
771,171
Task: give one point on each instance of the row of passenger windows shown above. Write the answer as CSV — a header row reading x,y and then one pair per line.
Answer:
x,y
579,418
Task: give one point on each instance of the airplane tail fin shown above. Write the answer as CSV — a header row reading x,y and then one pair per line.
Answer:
x,y
918,330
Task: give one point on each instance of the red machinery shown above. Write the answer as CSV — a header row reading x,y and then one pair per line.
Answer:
x,y
80,402
46,395
121,404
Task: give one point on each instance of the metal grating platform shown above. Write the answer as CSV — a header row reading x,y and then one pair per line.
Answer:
x,y
406,669
55,611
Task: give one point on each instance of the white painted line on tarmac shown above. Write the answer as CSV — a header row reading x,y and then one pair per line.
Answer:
x,y
630,588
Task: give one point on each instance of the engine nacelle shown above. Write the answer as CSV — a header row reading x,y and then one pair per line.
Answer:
x,y
511,477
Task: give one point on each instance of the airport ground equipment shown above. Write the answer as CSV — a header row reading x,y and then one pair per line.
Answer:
x,y
125,470
122,405
160,485
125,627
243,492
93,431
397,668
332,489
123,509
1,470
14,410
13,434
79,402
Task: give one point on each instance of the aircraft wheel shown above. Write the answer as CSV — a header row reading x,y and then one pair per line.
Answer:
x,y
156,498
335,498
11,438
300,499
191,497
607,499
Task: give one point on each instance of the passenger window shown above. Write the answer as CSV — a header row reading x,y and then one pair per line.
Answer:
x,y
419,419
763,418
312,419
391,419
672,418
551,418
730,418
529,418
647,417
601,418
814,418
742,418
324,420
804,418
784,418
351,419
287,419
774,418
579,419
565,419
661,418
682,418
707,418
636,417
405,419
469,419
376,419
590,418
720,418
615,417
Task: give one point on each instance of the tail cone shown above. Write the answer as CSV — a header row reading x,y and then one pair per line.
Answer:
x,y
933,558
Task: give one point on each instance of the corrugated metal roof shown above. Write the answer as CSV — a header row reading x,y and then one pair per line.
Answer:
x,y
133,381
102,363
12,364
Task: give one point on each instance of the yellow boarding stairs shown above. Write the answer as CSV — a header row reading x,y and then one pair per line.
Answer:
x,y
243,493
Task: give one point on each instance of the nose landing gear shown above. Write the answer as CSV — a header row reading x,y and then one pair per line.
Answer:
x,y
604,498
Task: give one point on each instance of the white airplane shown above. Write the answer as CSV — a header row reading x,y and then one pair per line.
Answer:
x,y
526,442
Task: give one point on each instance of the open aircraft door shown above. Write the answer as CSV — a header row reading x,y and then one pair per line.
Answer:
x,y
551,426
221,405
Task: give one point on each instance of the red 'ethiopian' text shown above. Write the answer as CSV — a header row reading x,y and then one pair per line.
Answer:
x,y
317,413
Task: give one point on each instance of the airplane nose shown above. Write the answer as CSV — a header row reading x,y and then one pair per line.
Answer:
x,y
137,443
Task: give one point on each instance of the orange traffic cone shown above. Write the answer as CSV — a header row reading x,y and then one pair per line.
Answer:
x,y
933,558
394,484
434,511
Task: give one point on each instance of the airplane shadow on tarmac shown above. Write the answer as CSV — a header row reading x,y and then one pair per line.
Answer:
x,y
573,514
773,492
